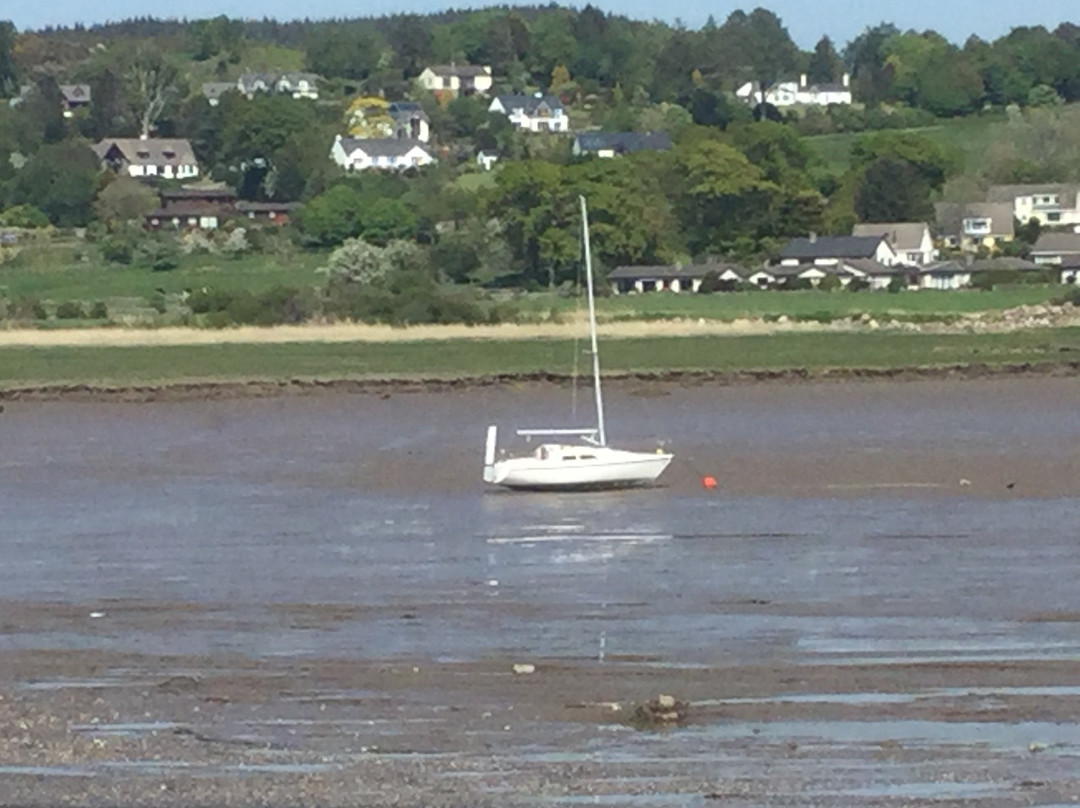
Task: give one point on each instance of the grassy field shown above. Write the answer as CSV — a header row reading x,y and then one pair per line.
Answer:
x,y
965,138
57,277
466,358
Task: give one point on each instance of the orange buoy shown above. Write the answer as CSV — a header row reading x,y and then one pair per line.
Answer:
x,y
708,482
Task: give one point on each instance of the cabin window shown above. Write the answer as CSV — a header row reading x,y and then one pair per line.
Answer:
x,y
588,457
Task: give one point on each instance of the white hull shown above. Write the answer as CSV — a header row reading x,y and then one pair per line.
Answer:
x,y
558,467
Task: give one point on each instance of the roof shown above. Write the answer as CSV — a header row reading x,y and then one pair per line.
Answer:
x,y
901,235
1057,243
216,89
248,81
149,151
383,147
75,93
244,206
868,266
528,103
461,71
985,265
1009,193
951,216
681,271
402,111
296,78
832,247
623,142
188,192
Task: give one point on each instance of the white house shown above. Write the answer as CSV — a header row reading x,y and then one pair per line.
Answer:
x,y
1052,205
532,113
831,250
169,158
391,154
912,241
678,278
958,274
789,93
298,85
455,79
1060,251
486,159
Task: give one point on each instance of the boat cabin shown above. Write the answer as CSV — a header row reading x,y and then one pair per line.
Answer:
x,y
558,452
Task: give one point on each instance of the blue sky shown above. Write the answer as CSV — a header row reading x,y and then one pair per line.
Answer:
x,y
841,19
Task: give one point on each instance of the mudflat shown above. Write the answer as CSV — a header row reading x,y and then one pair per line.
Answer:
x,y
313,600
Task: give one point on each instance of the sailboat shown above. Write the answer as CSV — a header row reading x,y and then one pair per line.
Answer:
x,y
587,464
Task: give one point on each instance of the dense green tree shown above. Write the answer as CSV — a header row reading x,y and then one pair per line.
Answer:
x,y
219,38
331,217
409,37
124,200
60,179
923,153
345,52
825,64
384,220
893,190
865,56
9,70
44,106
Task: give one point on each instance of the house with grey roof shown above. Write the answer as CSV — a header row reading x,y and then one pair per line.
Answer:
x,y
75,97
532,113
972,225
1059,251
831,250
295,85
675,278
612,144
144,158
387,154
912,241
1051,205
958,274
455,79
410,121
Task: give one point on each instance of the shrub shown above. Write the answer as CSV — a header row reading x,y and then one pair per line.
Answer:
x,y
829,283
897,283
23,216
160,254
27,308
206,300
99,311
118,248
157,302
70,310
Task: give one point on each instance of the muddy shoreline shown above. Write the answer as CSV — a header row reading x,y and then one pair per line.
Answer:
x,y
228,390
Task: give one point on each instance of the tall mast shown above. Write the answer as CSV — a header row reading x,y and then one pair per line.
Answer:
x,y
601,437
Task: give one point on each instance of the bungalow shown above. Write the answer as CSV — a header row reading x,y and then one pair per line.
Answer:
x,y
532,113
410,121
790,93
193,208
610,144
168,158
273,213
1059,251
678,278
207,207
912,241
972,225
831,250
74,97
298,85
959,274
486,159
213,90
455,79
874,274
393,154
1053,205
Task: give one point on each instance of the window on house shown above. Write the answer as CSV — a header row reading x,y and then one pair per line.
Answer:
x,y
1053,217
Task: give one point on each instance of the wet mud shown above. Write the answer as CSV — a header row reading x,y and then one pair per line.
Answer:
x,y
313,601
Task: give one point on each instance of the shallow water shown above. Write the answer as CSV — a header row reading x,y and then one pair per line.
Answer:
x,y
228,517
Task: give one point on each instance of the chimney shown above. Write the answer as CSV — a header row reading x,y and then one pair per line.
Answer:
x,y
802,81
846,79
813,237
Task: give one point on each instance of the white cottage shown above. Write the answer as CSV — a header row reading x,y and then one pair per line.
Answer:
x,y
389,154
